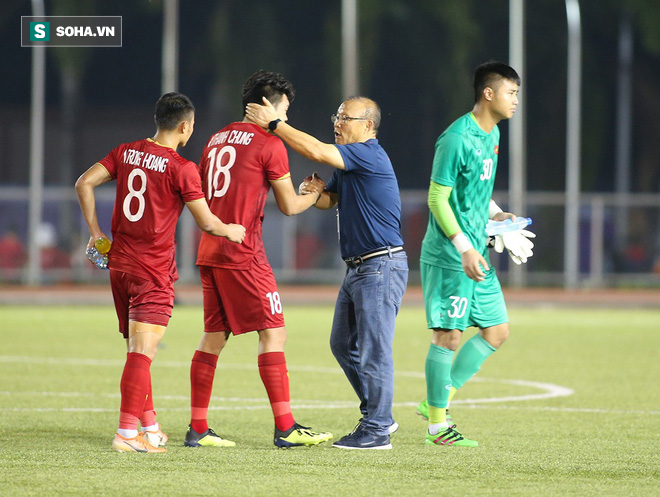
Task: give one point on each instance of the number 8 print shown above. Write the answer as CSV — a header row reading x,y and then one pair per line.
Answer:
x,y
138,194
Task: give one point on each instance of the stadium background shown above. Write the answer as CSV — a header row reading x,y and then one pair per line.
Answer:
x,y
416,60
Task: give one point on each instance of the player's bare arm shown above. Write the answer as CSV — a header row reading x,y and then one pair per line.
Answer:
x,y
300,141
211,224
85,185
288,201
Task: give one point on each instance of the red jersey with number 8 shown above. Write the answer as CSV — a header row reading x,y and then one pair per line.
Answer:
x,y
153,183
236,166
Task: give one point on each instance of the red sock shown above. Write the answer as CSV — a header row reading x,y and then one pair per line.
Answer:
x,y
134,388
148,417
272,369
202,372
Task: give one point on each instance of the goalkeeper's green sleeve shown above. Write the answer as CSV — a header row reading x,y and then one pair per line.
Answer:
x,y
438,201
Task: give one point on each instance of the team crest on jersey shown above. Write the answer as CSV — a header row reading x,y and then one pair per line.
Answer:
x,y
478,152
497,149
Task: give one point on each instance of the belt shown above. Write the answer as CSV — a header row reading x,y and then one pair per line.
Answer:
x,y
359,259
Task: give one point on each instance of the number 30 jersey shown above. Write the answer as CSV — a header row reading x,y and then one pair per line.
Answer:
x,y
466,160
153,182
236,166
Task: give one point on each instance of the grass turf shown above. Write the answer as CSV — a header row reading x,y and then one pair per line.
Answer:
x,y
60,370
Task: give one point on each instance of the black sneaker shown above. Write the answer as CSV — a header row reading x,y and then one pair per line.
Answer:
x,y
361,439
391,429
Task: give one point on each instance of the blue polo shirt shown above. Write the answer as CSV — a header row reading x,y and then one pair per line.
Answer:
x,y
369,199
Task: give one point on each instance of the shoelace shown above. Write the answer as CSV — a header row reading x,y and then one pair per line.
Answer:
x,y
449,436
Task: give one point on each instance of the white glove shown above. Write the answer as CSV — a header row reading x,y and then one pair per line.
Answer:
x,y
517,243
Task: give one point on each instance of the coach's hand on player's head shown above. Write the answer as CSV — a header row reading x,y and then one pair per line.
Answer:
x,y
474,265
261,114
517,243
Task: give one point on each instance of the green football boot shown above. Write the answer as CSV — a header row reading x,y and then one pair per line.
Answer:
x,y
450,437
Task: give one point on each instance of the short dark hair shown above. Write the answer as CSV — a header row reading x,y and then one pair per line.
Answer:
x,y
171,109
271,85
489,74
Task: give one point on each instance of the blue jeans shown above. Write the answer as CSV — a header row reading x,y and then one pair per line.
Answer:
x,y
363,332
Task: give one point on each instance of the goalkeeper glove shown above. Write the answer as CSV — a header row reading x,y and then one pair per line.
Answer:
x,y
517,243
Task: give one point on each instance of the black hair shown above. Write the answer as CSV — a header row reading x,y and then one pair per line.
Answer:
x,y
171,109
489,74
271,85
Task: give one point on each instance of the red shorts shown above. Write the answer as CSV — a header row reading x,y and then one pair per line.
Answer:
x,y
240,300
137,299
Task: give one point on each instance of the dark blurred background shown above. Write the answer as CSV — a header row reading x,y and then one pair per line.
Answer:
x,y
416,59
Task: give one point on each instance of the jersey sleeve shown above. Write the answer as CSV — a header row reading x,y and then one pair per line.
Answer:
x,y
358,156
447,159
438,201
331,185
275,160
111,160
189,182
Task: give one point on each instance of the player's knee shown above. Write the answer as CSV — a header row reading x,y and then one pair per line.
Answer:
x,y
448,339
496,335
213,343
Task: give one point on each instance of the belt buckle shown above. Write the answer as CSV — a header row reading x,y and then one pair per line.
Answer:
x,y
353,262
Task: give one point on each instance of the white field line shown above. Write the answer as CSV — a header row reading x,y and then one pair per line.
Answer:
x,y
548,391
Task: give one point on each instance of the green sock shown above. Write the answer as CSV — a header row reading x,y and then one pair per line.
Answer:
x,y
469,360
438,379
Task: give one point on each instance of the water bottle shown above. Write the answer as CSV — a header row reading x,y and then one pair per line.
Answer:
x,y
98,254
103,245
496,227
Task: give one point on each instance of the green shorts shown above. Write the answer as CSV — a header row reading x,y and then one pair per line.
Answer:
x,y
454,302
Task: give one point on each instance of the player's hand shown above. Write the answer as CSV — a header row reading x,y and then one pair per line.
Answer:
x,y
261,114
92,239
235,233
503,216
474,265
517,243
312,184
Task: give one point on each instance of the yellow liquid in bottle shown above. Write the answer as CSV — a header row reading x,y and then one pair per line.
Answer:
x,y
103,245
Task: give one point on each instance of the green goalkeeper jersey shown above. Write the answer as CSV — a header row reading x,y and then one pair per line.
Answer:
x,y
466,160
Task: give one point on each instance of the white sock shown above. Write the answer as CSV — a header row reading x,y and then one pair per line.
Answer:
x,y
434,429
150,428
127,433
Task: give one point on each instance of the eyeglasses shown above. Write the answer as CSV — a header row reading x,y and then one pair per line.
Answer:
x,y
344,119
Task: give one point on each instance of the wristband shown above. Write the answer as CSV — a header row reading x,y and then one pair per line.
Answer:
x,y
493,209
461,243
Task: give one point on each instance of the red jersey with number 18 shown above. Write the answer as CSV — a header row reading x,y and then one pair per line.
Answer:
x,y
153,182
236,166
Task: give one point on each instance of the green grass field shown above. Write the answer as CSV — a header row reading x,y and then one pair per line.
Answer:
x,y
59,397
